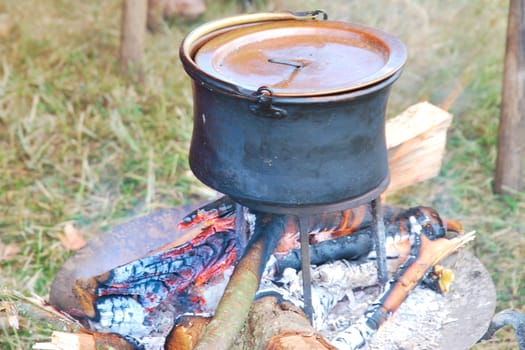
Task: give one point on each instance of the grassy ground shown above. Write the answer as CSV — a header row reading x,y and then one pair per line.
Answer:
x,y
80,145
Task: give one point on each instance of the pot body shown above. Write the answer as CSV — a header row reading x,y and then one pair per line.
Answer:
x,y
318,151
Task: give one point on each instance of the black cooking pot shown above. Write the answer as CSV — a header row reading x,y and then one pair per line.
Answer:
x,y
290,131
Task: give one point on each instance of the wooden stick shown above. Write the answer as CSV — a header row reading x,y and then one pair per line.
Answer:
x,y
133,33
430,254
511,148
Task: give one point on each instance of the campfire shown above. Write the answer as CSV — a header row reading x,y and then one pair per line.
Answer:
x,y
300,252
149,300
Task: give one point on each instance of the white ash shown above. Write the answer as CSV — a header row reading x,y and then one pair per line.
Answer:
x,y
343,291
250,219
112,318
417,323
214,290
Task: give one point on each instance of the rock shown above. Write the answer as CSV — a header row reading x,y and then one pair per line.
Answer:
x,y
188,9
6,25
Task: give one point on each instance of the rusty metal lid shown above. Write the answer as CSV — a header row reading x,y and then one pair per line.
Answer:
x,y
299,57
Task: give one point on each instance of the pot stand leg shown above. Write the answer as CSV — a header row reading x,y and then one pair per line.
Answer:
x,y
379,242
305,266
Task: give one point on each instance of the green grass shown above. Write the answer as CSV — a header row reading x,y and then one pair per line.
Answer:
x,y
79,143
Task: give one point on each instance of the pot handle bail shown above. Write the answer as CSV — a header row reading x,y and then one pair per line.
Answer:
x,y
313,15
264,107
201,31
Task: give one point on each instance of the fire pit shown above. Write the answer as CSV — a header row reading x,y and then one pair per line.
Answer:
x,y
132,246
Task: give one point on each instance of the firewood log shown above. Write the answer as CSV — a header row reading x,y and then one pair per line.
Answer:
x,y
416,142
273,325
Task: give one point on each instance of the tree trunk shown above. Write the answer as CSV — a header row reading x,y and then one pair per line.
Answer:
x,y
155,15
510,158
133,33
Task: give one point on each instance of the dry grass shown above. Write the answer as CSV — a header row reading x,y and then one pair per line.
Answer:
x,y
78,144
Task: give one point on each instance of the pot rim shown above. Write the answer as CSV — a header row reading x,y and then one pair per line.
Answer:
x,y
204,33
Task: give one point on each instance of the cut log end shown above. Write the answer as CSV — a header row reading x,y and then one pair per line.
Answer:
x,y
293,340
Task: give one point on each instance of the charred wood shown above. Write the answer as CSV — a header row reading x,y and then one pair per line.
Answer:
x,y
350,247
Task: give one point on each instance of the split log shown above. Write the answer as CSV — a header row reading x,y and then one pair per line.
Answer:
x,y
510,160
416,141
132,36
289,325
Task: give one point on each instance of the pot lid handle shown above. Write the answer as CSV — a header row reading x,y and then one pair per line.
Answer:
x,y
213,26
